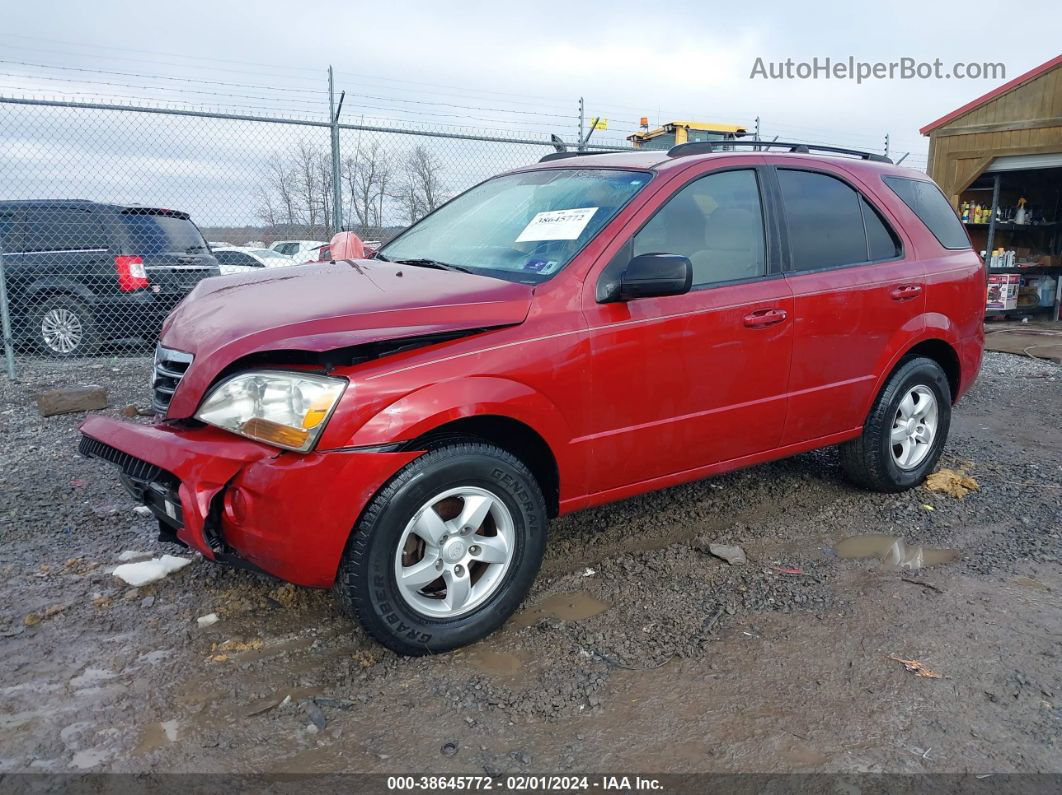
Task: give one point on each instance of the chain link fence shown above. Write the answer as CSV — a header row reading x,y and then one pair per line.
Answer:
x,y
110,214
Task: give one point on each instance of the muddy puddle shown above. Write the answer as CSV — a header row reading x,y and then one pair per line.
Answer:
x,y
500,664
156,735
894,551
564,606
1029,582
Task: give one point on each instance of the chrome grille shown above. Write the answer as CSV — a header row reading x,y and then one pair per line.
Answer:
x,y
170,367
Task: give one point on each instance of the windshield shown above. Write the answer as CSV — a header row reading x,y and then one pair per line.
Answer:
x,y
522,227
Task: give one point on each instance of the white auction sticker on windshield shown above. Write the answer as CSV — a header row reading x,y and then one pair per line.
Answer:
x,y
557,225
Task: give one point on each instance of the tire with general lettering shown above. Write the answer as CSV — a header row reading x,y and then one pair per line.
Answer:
x,y
446,551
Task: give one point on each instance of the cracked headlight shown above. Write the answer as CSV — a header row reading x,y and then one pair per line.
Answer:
x,y
282,408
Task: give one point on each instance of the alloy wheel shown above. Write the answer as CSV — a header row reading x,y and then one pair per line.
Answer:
x,y
61,330
914,427
455,551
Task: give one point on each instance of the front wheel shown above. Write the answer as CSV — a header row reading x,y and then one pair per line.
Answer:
x,y
447,550
906,429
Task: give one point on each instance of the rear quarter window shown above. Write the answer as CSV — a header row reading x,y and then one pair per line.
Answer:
x,y
928,203
156,234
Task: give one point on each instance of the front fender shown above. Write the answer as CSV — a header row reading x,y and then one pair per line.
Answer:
x,y
424,410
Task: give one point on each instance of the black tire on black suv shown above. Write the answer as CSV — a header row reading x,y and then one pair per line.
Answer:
x,y
905,431
486,516
64,326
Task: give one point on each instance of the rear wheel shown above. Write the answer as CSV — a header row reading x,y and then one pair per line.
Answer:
x,y
906,429
447,550
64,326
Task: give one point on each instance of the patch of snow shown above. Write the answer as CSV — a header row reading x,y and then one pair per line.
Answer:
x,y
137,574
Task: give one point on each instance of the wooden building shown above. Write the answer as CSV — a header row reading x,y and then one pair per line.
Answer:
x,y
998,159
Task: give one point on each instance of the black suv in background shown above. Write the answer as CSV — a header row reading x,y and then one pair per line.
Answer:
x,y
80,273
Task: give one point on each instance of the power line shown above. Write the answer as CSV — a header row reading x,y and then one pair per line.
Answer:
x,y
551,125
125,98
398,125
81,80
467,92
125,49
164,77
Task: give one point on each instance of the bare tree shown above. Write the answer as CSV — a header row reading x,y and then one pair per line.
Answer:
x,y
367,174
278,203
297,196
422,189
308,186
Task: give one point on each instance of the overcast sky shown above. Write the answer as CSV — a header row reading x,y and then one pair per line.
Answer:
x,y
523,66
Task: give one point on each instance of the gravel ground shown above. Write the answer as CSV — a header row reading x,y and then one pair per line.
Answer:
x,y
638,650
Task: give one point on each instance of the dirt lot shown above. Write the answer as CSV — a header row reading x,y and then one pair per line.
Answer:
x,y
639,652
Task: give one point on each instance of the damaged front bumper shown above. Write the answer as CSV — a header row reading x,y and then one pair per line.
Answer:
x,y
241,502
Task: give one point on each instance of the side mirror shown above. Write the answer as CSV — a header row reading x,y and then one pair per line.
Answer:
x,y
651,275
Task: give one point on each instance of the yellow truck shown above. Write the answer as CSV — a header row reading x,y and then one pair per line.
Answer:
x,y
673,133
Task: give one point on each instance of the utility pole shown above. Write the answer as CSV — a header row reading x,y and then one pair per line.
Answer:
x,y
337,188
886,144
582,118
757,128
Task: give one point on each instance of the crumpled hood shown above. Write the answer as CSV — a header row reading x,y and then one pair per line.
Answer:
x,y
323,307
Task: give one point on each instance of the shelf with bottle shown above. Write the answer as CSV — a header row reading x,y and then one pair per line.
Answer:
x,y
1010,226
1008,217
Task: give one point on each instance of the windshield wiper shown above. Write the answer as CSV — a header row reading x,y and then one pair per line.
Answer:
x,y
192,249
433,263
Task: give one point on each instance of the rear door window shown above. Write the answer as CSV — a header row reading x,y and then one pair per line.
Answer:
x,y
824,219
73,229
156,234
928,203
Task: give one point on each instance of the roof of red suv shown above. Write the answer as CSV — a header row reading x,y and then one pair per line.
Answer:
x,y
658,160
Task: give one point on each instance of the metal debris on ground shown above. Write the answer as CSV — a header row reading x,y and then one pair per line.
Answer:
x,y
955,483
916,667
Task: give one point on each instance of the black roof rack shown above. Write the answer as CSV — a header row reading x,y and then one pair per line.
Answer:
x,y
565,155
708,147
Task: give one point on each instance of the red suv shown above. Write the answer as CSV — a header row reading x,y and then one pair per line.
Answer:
x,y
567,334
